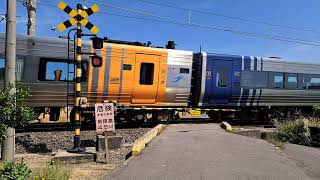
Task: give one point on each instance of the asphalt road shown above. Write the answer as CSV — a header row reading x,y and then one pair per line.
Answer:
x,y
206,152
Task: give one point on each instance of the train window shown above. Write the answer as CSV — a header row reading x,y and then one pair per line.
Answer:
x,y
254,79
311,82
146,73
222,78
127,67
57,70
19,68
292,82
278,80
2,68
184,70
306,82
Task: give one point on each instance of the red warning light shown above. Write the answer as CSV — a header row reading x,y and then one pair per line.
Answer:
x,y
96,61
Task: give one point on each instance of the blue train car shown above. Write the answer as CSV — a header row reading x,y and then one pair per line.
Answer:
x,y
247,81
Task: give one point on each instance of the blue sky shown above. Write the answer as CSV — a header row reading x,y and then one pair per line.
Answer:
x,y
297,13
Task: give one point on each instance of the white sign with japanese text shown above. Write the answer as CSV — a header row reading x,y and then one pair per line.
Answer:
x,y
104,113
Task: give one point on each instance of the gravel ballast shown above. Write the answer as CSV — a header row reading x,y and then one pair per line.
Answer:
x,y
47,142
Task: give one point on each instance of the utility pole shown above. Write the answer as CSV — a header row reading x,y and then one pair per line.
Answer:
x,y
7,152
31,8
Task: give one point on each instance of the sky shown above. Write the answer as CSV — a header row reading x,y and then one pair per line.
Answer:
x,y
296,13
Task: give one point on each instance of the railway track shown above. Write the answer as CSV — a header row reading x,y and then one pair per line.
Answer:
x,y
91,126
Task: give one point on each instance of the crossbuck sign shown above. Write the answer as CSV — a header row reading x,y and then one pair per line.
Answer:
x,y
78,17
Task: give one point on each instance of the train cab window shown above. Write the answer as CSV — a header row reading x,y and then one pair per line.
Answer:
x,y
222,78
146,73
277,80
2,68
57,70
292,82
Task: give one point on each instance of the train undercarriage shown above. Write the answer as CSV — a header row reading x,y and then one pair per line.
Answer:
x,y
141,115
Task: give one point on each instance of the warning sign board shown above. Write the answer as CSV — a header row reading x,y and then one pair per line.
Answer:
x,y
104,113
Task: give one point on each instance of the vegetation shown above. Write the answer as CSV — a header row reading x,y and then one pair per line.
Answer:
x,y
14,171
13,111
296,130
52,171
292,131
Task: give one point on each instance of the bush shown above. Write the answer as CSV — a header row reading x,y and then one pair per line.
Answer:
x,y
14,171
13,111
316,111
293,131
52,171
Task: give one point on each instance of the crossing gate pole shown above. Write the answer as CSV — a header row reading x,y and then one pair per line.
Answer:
x,y
77,140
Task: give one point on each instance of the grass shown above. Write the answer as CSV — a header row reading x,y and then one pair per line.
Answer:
x,y
296,130
52,171
276,143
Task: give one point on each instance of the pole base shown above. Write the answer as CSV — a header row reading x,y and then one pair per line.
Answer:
x,y
76,146
76,150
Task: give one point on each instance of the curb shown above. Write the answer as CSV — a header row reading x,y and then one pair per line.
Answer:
x,y
226,126
140,143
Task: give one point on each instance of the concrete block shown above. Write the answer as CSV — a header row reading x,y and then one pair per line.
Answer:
x,y
254,133
226,126
267,135
114,142
74,158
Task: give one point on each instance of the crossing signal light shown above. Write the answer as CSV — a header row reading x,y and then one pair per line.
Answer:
x,y
96,61
97,43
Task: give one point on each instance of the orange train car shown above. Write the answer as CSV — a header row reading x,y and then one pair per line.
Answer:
x,y
132,76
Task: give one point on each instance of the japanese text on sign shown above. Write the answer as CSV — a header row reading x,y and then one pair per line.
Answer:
x,y
104,113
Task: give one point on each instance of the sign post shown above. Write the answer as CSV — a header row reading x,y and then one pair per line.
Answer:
x,y
104,113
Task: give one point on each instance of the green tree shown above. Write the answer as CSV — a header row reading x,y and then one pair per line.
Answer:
x,y
13,110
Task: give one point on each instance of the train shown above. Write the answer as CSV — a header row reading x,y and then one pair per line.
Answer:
x,y
146,82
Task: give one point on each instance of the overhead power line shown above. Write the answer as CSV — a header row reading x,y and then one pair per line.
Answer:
x,y
230,17
169,20
176,21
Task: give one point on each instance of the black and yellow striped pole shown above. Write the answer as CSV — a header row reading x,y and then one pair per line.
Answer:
x,y
77,141
78,17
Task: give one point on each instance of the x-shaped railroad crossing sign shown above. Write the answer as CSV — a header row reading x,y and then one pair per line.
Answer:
x,y
78,17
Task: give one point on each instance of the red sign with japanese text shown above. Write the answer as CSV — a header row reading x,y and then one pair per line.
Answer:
x,y
104,113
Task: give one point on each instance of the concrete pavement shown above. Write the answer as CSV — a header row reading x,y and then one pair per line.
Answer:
x,y
307,158
206,152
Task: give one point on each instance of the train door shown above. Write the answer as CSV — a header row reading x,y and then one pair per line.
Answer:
x,y
146,79
218,81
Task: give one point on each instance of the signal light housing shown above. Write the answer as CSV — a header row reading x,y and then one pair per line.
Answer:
x,y
96,61
97,43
